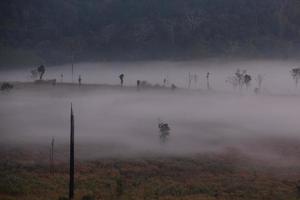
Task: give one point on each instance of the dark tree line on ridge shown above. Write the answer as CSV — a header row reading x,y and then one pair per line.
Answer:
x,y
53,31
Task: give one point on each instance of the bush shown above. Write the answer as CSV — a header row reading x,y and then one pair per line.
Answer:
x,y
6,86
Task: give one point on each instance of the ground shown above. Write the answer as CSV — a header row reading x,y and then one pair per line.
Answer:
x,y
227,175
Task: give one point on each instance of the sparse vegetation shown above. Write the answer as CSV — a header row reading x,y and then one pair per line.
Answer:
x,y
203,177
6,86
41,70
164,130
295,73
240,79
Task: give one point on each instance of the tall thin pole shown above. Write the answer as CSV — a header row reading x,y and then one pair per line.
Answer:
x,y
72,67
207,81
71,183
52,156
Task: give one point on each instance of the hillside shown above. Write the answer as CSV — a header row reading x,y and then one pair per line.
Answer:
x,y
34,31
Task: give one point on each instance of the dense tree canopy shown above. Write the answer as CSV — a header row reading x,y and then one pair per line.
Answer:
x,y
48,31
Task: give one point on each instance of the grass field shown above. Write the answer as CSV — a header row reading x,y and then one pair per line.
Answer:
x,y
229,175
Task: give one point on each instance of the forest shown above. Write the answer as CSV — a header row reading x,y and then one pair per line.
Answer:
x,y
51,32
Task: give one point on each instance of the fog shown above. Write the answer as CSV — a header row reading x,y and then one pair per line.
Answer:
x,y
277,79
117,122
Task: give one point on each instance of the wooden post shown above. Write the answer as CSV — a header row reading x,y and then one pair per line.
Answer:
x,y
72,67
207,81
71,183
52,156
189,80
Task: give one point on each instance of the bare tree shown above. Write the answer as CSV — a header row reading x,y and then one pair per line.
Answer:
x,y
247,80
41,70
295,73
121,79
138,84
72,165
164,82
207,81
190,78
239,79
164,130
173,86
79,80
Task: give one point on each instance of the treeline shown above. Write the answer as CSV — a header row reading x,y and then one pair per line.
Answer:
x,y
48,31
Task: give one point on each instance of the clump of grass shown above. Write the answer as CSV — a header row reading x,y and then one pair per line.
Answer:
x,y
63,198
12,184
119,184
180,191
88,197
8,198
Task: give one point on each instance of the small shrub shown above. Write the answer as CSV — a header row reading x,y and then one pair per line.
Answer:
x,y
6,86
88,197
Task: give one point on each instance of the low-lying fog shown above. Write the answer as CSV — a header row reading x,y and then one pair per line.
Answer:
x,y
124,122
276,74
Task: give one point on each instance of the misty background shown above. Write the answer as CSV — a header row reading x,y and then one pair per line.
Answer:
x,y
123,122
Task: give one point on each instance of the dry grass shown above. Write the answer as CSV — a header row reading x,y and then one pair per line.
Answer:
x,y
215,176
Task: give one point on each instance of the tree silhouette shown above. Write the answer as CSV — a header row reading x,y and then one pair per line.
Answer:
x,y
79,80
207,81
239,79
121,79
295,75
164,130
247,79
71,169
41,70
6,86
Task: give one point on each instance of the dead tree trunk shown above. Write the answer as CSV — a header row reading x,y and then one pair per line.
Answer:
x,y
71,183
207,81
52,156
